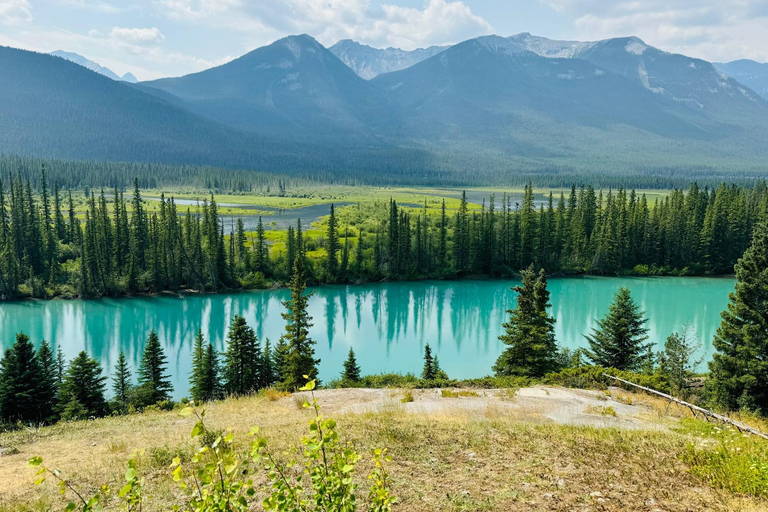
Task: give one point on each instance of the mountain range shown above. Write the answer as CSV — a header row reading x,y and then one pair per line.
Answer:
x,y
94,66
750,73
483,110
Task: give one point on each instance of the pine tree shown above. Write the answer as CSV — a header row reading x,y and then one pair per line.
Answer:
x,y
49,387
675,363
22,395
300,356
332,246
429,371
269,374
82,393
530,332
242,360
211,386
619,340
198,374
279,358
739,368
154,386
61,366
121,384
351,374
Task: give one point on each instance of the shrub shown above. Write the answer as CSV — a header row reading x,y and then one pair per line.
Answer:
x,y
219,477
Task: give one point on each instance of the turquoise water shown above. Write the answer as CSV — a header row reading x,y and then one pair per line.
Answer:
x,y
387,324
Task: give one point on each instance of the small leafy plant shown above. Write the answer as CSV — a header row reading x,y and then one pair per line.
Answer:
x,y
220,475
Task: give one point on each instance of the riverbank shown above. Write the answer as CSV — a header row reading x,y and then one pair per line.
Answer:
x,y
542,448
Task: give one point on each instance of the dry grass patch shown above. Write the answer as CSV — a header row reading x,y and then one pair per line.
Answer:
x,y
452,460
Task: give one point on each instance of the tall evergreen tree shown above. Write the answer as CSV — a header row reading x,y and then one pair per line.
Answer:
x,y
429,372
619,340
530,332
300,355
121,384
332,246
23,397
242,360
676,363
739,368
49,386
154,385
82,393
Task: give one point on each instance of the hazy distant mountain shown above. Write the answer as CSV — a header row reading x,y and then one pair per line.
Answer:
x,y
369,62
550,47
94,66
478,111
748,72
294,86
51,107
493,89
688,81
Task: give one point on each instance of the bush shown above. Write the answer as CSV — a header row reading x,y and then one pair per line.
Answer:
x,y
593,377
220,478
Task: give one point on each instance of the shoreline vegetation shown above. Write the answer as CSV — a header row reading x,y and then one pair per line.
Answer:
x,y
38,387
122,247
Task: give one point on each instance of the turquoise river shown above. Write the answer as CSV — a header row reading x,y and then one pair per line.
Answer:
x,y
387,324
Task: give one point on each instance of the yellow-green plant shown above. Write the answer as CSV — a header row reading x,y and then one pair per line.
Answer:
x,y
220,476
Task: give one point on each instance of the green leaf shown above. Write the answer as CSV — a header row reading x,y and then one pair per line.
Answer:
x,y
35,461
185,411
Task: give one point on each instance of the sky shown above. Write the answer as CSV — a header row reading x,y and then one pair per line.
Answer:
x,y
158,38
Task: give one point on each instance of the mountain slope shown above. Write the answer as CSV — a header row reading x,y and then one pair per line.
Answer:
x,y
54,108
487,85
294,87
748,72
94,66
369,62
688,81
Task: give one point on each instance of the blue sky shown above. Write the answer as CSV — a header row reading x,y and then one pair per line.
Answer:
x,y
156,38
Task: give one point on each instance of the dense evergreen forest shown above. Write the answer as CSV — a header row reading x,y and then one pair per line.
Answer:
x,y
122,248
405,172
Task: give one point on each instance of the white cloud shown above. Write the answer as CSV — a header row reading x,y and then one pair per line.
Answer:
x,y
15,12
438,22
137,36
710,29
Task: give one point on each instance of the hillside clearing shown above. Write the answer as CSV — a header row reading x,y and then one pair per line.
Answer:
x,y
542,448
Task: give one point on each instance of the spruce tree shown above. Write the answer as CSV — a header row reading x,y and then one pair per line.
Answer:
x,y
530,332
212,388
619,340
332,246
242,359
300,363
121,384
82,393
199,370
154,386
49,386
675,363
269,373
23,397
428,372
351,374
279,358
739,368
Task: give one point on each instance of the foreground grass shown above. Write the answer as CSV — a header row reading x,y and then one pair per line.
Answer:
x,y
446,459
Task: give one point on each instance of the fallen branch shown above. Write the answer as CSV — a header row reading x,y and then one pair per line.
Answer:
x,y
696,409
